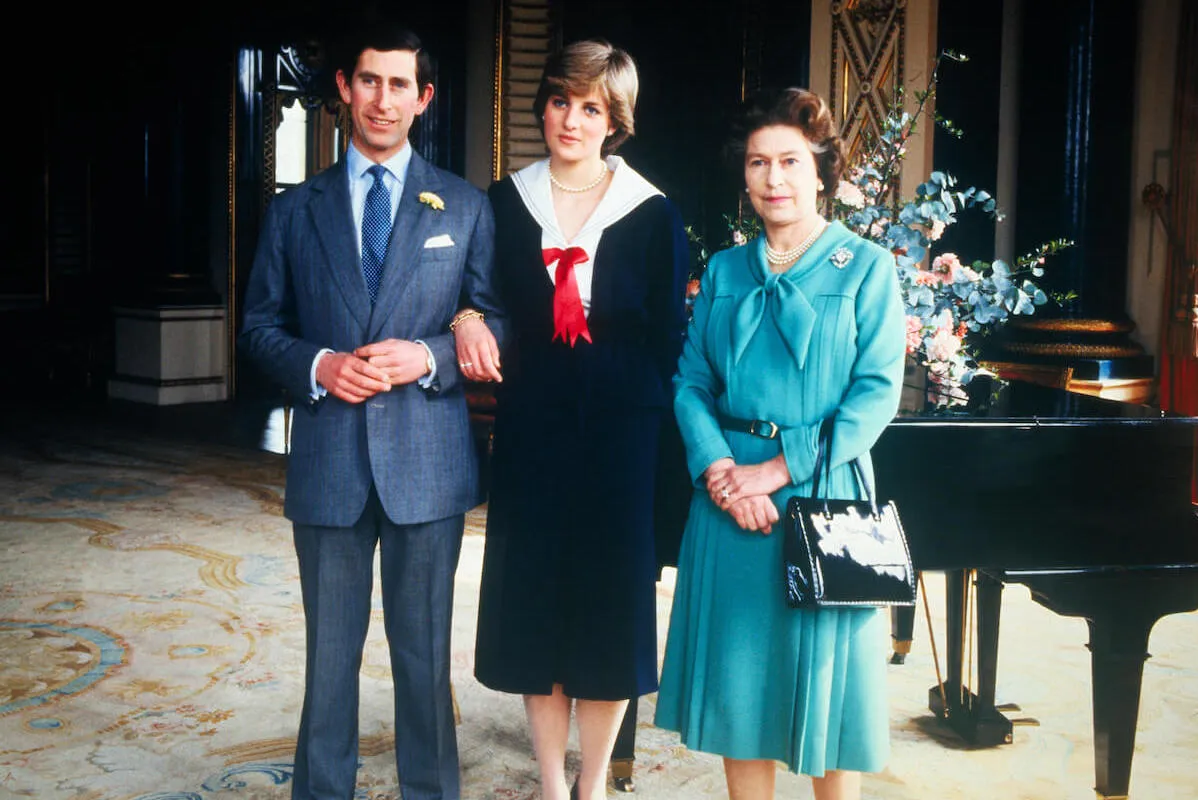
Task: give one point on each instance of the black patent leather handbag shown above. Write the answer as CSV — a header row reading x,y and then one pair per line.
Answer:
x,y
844,553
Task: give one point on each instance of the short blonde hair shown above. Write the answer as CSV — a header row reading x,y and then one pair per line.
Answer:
x,y
592,65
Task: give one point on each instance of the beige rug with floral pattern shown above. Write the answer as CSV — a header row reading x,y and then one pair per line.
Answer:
x,y
152,640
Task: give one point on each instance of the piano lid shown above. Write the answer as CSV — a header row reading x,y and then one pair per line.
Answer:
x,y
1041,478
1020,403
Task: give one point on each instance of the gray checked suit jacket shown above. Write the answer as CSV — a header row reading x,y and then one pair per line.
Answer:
x,y
306,292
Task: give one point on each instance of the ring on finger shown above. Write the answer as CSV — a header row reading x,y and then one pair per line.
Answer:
x,y
724,494
465,364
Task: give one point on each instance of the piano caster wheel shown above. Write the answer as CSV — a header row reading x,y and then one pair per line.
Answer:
x,y
621,774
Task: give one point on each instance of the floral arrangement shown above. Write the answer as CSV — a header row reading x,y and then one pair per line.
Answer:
x,y
951,306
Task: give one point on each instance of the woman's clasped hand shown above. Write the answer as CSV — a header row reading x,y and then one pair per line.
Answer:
x,y
744,491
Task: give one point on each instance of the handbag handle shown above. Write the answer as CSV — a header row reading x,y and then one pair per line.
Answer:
x,y
823,463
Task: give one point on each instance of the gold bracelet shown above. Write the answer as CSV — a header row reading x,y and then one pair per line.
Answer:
x,y
463,316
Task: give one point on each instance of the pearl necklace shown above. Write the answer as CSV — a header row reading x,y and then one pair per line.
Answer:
x,y
580,189
794,253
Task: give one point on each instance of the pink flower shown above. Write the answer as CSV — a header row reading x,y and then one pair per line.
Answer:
x,y
738,238
925,277
877,229
850,195
937,230
914,328
946,264
943,346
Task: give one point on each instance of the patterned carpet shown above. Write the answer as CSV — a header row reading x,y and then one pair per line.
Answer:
x,y
151,648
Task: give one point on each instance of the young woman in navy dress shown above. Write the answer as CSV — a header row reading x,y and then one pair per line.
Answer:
x,y
592,262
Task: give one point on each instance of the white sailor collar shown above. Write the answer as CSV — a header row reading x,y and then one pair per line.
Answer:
x,y
628,190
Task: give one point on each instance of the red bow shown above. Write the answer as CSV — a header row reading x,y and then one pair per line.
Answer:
x,y
569,322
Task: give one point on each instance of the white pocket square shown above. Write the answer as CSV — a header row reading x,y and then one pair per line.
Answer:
x,y
444,240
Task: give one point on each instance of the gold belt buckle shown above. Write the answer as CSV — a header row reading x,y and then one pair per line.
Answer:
x,y
763,428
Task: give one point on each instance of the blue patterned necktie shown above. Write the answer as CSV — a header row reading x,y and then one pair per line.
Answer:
x,y
376,230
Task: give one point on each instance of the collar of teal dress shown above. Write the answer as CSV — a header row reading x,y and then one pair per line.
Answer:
x,y
777,295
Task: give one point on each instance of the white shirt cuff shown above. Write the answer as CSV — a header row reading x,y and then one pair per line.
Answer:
x,y
318,391
427,380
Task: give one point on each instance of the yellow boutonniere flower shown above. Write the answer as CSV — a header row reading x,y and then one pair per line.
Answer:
x,y
432,200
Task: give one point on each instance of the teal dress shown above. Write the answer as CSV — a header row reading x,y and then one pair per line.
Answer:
x,y
745,676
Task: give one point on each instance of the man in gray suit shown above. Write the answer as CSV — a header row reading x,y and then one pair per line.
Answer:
x,y
358,275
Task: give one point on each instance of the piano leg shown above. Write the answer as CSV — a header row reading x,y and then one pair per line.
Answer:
x,y
973,717
989,616
902,631
945,699
1120,608
623,755
1118,650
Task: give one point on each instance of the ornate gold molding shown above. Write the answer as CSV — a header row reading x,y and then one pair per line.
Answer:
x,y
497,94
525,33
1072,350
1073,325
868,65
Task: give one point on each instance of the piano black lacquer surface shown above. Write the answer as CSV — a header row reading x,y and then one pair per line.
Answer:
x,y
1085,501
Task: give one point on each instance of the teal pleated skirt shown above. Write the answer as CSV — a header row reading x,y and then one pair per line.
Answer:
x,y
747,677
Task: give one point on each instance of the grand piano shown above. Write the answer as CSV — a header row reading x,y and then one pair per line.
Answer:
x,y
1088,503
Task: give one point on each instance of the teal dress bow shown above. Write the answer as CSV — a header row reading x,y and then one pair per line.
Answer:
x,y
778,297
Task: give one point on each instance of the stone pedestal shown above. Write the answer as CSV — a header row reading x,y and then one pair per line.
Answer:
x,y
168,355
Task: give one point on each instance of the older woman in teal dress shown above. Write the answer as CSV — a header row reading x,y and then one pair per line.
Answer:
x,y
800,325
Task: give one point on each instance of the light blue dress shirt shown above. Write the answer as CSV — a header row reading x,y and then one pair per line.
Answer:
x,y
360,181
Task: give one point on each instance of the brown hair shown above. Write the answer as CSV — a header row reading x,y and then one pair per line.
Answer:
x,y
347,51
592,65
797,108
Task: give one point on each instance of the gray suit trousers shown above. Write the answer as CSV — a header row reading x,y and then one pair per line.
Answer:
x,y
417,565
